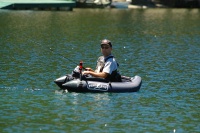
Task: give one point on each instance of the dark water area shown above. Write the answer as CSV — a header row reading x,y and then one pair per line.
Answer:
x,y
160,45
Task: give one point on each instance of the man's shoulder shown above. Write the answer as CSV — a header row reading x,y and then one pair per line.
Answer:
x,y
101,58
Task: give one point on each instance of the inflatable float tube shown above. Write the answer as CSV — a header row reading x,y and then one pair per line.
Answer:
x,y
92,84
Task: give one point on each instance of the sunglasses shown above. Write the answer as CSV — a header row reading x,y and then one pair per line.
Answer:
x,y
105,47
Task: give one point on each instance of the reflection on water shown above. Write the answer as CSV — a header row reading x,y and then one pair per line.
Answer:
x,y
160,45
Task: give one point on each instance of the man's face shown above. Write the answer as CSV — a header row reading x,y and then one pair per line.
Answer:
x,y
106,50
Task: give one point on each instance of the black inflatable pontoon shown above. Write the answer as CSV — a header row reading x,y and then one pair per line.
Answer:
x,y
91,84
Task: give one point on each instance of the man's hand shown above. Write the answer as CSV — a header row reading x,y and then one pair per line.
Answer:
x,y
86,72
89,69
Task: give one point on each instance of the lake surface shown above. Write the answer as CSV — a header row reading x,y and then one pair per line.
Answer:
x,y
160,45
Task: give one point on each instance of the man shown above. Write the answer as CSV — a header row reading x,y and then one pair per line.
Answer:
x,y
106,65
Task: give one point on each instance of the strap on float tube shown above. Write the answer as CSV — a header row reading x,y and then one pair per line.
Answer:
x,y
80,69
80,85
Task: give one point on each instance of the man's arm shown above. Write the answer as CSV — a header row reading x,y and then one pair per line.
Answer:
x,y
94,74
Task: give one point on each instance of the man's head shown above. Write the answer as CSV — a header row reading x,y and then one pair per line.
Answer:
x,y
106,42
106,47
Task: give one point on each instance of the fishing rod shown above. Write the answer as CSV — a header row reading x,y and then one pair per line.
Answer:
x,y
60,55
67,58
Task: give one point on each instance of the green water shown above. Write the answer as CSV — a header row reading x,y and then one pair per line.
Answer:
x,y
160,45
